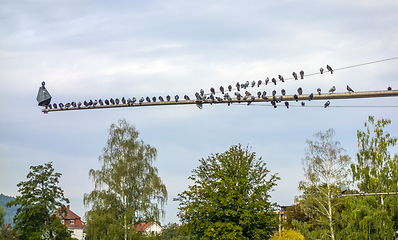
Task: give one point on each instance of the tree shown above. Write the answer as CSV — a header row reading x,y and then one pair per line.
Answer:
x,y
172,232
127,187
373,217
40,195
2,214
229,198
289,234
325,168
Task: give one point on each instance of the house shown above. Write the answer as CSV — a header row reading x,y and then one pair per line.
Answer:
x,y
74,223
149,228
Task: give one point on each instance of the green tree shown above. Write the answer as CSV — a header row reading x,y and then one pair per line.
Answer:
x,y
2,214
229,198
40,195
373,217
325,168
127,187
289,234
172,232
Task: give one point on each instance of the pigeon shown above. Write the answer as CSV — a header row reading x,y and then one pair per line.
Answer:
x,y
238,98
202,92
222,89
55,106
302,74
349,89
389,89
204,98
327,104
61,105
242,86
238,86
116,100
79,104
258,94
283,91
176,97
295,75
245,98
112,101
226,95
154,99
101,102
330,69
319,91
253,83
237,94
123,100
67,105
229,100
229,88
332,89
287,104
168,98
280,98
85,103
197,95
211,98
247,83
300,91
264,96
273,103
274,93
186,97
133,100
274,98
281,78
310,97
49,106
295,97
247,93
219,99
274,80
161,98
148,99
141,100
106,101
259,83
90,103
266,81
253,98
129,102
321,70
303,104
74,104
95,103
212,90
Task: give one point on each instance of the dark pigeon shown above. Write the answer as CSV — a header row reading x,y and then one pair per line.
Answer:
x,y
168,98
283,91
349,89
331,90
141,100
117,100
186,97
148,99
106,101
329,69
327,104
123,100
302,74
281,78
79,104
274,80
229,88
238,86
222,89
259,83
154,99
202,92
101,102
295,97
300,91
319,91
266,81
310,97
212,90
259,94
287,104
303,103
295,76
176,97
112,101
161,98
321,70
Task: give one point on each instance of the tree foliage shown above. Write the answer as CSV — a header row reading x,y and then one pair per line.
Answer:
x,y
325,168
288,234
229,198
40,195
127,187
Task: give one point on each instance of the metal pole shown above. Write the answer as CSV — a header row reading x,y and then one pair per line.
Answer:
x,y
304,97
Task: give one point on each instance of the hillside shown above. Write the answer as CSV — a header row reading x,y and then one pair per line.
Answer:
x,y
10,212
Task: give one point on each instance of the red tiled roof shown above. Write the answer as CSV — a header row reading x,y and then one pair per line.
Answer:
x,y
142,226
70,216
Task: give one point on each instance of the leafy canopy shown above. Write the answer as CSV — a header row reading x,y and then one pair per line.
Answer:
x,y
229,198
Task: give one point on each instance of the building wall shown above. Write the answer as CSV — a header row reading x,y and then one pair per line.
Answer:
x,y
77,233
155,228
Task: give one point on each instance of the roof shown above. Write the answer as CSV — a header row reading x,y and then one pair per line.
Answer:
x,y
70,216
142,226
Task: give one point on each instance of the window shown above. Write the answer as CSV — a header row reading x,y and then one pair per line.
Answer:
x,y
62,221
72,221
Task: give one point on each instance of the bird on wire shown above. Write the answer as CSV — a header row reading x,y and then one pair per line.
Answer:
x,y
148,99
168,98
229,87
273,92
267,81
310,97
349,89
259,83
295,97
55,106
253,83
248,93
67,105
79,104
116,100
274,80
302,74
154,99
300,91
295,75
112,101
133,100
212,90
238,86
141,100
176,97
247,83
327,104
283,91
161,98
287,104
329,68
389,89
197,95
186,97
321,70
106,101
273,103
281,78
222,89
202,92
123,100
95,103
303,104
74,104
259,94
332,89
319,91
101,102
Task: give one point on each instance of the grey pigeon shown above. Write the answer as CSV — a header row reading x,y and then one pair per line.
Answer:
x,y
55,106
168,98
211,98
212,90
287,104
295,75
321,70
197,95
273,103
258,94
154,99
112,101
226,95
329,69
238,98
267,81
101,102
229,100
85,103
176,97
186,97
310,97
133,100
141,100
61,105
349,89
90,103
275,98
129,102
123,100
95,103
300,91
148,99
280,98
229,88
283,91
302,74
247,83
327,104
106,101
319,91
238,86
50,106
332,89
259,83
67,105
237,94
161,98
274,93
253,83
274,80
389,89
264,96
202,92
281,78
222,89
116,100
74,104
303,103
295,97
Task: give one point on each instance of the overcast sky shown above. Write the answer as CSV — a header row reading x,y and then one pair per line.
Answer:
x,y
101,49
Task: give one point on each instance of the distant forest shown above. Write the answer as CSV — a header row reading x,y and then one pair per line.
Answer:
x,y
10,212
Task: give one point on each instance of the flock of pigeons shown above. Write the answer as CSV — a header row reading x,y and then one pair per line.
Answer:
x,y
201,96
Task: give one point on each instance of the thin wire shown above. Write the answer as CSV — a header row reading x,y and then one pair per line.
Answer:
x,y
311,74
282,105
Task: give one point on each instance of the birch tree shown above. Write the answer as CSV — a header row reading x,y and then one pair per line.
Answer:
x,y
127,187
325,168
